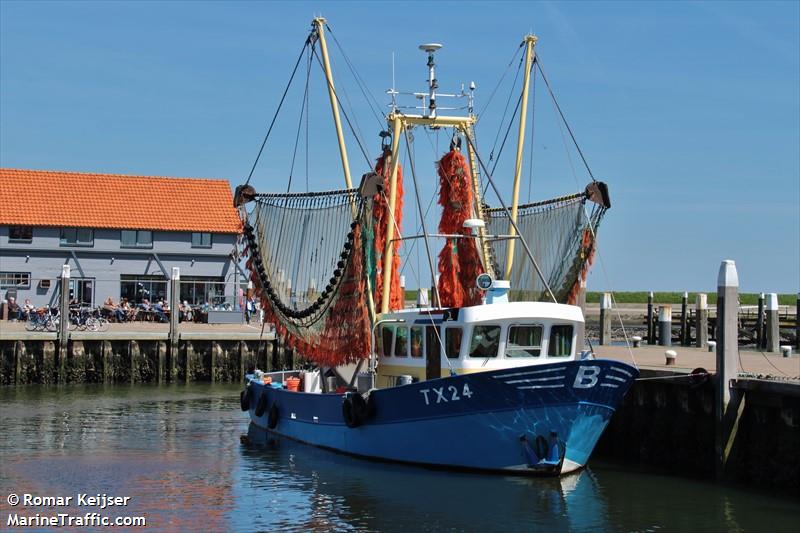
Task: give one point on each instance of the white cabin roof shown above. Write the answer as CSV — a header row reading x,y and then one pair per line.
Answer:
x,y
501,311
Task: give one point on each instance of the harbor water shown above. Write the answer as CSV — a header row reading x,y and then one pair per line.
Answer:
x,y
177,453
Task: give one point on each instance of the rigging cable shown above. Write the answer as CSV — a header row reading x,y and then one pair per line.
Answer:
x,y
359,80
538,63
511,220
277,111
344,112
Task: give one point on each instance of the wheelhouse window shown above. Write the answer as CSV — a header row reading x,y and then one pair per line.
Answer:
x,y
77,237
201,240
524,341
560,344
401,342
452,342
387,335
416,341
433,342
15,280
20,233
136,238
485,341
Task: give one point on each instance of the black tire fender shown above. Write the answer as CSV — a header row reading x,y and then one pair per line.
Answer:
x,y
272,419
261,406
354,410
244,399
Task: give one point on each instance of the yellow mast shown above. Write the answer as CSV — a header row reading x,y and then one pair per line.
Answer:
x,y
399,122
388,250
319,25
530,42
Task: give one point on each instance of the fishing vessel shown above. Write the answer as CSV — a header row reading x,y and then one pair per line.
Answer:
x,y
487,372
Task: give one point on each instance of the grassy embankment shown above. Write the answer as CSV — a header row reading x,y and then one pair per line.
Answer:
x,y
640,297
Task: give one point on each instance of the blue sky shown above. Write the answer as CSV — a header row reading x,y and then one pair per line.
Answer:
x,y
689,110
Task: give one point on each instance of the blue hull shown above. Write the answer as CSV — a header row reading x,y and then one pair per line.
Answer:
x,y
542,419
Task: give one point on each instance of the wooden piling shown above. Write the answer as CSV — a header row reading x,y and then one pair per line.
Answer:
x,y
174,317
701,320
665,325
773,336
581,302
727,360
63,323
797,323
651,334
685,334
761,340
605,319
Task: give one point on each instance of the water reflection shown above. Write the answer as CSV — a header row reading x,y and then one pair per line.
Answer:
x,y
175,450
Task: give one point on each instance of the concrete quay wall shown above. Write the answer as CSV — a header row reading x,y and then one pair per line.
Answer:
x,y
669,423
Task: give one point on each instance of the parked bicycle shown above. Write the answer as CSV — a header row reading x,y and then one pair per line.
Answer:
x,y
44,319
84,318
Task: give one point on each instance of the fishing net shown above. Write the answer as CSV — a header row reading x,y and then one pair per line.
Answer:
x,y
561,238
306,257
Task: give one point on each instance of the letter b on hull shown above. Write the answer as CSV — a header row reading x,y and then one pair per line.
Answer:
x,y
586,378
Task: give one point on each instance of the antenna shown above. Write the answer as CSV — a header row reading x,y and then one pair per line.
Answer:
x,y
430,49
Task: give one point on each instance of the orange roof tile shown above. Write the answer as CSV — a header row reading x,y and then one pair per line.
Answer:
x,y
79,199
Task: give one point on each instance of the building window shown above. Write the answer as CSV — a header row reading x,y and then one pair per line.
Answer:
x,y
201,240
136,289
560,344
202,290
524,341
136,238
77,237
485,341
81,291
20,233
15,280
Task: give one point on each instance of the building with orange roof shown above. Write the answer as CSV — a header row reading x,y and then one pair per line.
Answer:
x,y
120,234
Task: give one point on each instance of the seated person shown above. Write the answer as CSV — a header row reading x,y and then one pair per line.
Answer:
x,y
159,308
28,309
14,310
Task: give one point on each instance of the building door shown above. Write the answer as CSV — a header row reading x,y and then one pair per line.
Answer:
x,y
82,290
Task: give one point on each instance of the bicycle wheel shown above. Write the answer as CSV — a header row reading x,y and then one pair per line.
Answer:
x,y
92,324
51,324
103,324
31,324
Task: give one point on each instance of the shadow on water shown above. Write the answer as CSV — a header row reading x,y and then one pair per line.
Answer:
x,y
175,451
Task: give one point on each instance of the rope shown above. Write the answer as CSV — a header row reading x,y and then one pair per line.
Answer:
x,y
277,111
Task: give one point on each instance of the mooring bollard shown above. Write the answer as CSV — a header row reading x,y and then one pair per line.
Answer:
x,y
786,350
712,346
773,324
637,340
761,340
651,334
701,320
671,355
685,320
665,325
605,319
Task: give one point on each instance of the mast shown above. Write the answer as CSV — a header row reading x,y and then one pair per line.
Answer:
x,y
388,251
530,42
319,26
